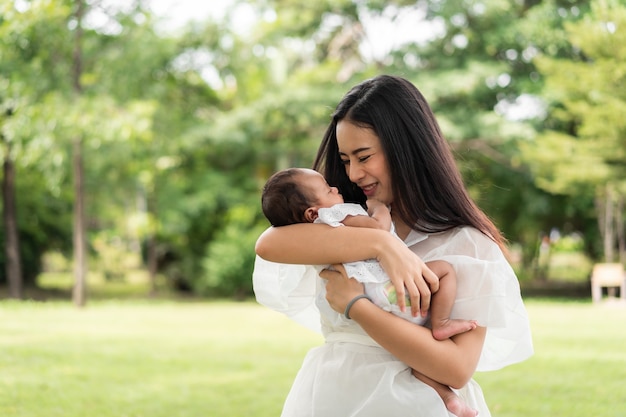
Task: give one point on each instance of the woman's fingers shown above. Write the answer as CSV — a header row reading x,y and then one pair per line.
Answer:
x,y
415,296
329,274
412,279
340,289
431,279
414,283
423,298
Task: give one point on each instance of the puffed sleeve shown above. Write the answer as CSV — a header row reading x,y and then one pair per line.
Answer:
x,y
288,289
488,291
333,216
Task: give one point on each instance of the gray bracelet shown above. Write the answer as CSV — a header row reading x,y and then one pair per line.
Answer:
x,y
351,303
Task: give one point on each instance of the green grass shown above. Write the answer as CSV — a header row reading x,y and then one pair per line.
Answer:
x,y
579,366
151,359
134,284
223,359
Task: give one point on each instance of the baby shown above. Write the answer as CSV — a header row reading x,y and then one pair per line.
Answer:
x,y
298,195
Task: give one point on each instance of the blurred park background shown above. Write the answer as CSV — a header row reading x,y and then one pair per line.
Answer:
x,y
135,139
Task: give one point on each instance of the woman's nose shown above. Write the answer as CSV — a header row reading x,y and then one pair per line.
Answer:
x,y
355,173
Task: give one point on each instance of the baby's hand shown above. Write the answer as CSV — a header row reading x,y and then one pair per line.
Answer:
x,y
373,205
379,212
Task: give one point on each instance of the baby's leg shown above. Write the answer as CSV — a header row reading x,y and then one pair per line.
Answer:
x,y
442,301
453,403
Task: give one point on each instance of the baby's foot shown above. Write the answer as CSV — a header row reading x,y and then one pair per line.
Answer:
x,y
457,407
444,329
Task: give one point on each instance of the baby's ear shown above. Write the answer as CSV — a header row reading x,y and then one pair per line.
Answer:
x,y
310,214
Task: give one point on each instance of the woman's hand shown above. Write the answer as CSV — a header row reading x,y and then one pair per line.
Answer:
x,y
340,289
409,275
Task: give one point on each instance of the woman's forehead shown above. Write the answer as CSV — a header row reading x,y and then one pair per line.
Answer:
x,y
352,139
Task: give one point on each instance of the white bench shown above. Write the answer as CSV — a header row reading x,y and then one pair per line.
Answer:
x,y
610,276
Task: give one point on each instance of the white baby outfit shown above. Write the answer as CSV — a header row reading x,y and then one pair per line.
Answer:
x,y
369,272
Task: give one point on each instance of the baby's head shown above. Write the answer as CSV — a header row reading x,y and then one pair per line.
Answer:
x,y
294,195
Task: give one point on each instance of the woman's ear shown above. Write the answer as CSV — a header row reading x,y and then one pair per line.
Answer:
x,y
310,214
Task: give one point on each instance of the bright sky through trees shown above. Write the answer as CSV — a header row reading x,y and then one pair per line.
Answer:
x,y
383,34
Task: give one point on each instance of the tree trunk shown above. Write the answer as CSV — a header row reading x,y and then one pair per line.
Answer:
x,y
80,242
619,226
80,245
152,261
152,251
608,234
12,243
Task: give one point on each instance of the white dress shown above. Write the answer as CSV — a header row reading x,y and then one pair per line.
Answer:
x,y
352,376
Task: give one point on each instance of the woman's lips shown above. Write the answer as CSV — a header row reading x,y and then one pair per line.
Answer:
x,y
369,190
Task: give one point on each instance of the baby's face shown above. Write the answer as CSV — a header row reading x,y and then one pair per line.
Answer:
x,y
325,195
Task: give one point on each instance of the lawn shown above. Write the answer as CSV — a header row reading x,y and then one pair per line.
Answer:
x,y
222,359
579,366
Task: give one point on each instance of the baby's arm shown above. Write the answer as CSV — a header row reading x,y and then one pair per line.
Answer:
x,y
379,217
442,302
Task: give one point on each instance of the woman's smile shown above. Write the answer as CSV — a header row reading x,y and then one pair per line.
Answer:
x,y
369,190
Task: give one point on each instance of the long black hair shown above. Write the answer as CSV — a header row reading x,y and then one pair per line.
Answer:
x,y
428,190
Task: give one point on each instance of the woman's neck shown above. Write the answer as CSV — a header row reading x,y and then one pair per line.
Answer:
x,y
402,229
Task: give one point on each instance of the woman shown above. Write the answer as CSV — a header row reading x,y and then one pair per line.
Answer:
x,y
384,143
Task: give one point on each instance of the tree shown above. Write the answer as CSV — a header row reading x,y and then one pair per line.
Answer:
x,y
12,243
175,133
473,69
582,147
80,239
21,82
59,108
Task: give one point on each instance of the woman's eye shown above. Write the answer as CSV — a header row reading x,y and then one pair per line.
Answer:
x,y
345,162
364,158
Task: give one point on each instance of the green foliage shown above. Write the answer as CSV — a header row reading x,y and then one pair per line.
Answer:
x,y
584,147
44,223
580,147
471,72
573,267
182,129
229,260
38,41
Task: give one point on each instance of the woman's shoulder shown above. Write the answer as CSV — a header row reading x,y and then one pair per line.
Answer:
x,y
470,233
469,241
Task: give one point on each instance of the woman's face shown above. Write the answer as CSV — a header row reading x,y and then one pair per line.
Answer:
x,y
364,160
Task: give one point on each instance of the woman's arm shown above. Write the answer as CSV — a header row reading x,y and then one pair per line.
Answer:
x,y
318,244
451,362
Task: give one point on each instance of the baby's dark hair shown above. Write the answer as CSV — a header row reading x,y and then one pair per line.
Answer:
x,y
284,200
